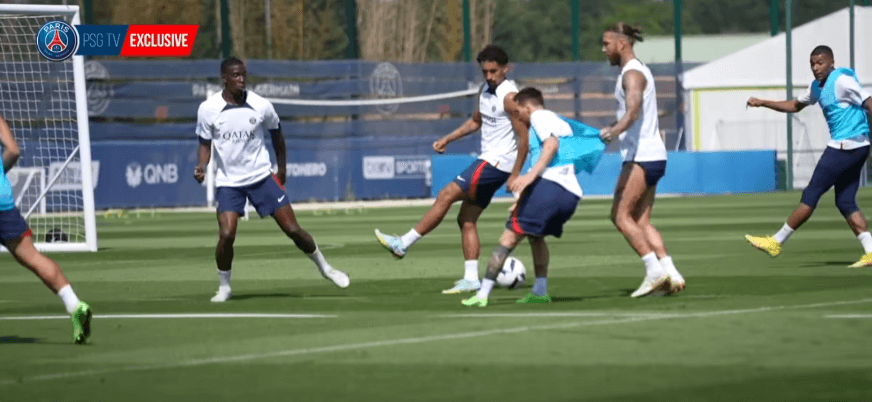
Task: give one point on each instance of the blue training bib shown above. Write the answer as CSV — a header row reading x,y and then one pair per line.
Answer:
x,y
583,149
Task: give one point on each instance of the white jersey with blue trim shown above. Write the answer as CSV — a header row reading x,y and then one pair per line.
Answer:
x,y
547,124
237,133
641,142
499,147
848,92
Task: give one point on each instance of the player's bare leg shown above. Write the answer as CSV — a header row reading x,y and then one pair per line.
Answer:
x,y
287,221
655,239
398,245
51,275
541,257
630,191
508,241
227,224
467,221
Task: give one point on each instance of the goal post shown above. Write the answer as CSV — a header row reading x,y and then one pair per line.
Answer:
x,y
45,105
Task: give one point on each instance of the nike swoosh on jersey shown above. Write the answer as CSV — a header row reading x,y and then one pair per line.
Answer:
x,y
460,178
282,197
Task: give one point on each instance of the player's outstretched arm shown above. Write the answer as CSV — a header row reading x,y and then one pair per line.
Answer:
x,y
468,127
788,106
204,153
10,147
278,141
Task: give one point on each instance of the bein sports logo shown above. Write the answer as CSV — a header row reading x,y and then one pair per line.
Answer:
x,y
151,173
57,40
397,167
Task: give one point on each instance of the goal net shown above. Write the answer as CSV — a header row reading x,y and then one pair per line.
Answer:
x,y
44,103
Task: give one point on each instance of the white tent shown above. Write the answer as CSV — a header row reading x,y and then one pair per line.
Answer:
x,y
716,92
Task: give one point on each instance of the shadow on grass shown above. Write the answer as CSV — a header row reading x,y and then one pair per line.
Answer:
x,y
17,339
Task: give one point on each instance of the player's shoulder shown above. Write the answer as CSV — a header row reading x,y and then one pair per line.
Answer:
x,y
212,105
506,87
258,102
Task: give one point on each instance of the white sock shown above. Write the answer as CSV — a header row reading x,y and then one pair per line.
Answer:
x,y
669,266
540,287
486,286
318,259
652,266
69,298
411,237
866,240
224,279
783,234
470,270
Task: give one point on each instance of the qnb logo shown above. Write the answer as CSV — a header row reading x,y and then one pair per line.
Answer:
x,y
151,174
57,40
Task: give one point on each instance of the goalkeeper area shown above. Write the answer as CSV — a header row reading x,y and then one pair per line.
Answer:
x,y
748,327
44,104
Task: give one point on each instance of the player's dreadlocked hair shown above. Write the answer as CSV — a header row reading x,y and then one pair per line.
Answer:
x,y
632,32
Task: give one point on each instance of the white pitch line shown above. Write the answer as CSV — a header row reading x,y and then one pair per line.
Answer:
x,y
850,316
555,314
410,341
170,316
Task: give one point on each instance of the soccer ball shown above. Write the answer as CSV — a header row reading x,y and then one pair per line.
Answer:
x,y
513,274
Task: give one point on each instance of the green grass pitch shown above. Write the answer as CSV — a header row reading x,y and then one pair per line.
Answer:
x,y
748,327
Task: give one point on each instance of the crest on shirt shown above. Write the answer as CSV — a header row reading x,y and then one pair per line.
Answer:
x,y
252,120
493,108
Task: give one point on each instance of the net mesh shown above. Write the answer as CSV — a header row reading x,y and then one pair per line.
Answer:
x,y
37,99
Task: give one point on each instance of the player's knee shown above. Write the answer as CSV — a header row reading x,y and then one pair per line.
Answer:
x,y
811,195
465,223
846,207
227,235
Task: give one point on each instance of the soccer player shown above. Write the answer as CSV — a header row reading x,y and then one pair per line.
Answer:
x,y
549,193
644,155
502,156
16,236
234,120
845,105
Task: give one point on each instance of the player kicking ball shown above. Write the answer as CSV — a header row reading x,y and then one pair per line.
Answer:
x,y
234,121
502,156
845,105
548,194
16,236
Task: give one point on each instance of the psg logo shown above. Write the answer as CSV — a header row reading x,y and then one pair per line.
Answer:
x,y
57,40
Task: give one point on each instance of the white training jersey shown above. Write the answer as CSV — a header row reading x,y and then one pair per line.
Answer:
x,y
548,124
499,147
237,133
848,92
641,142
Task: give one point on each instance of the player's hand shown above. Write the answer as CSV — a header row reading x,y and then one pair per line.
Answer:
x,y
754,102
282,175
200,173
439,145
520,184
607,135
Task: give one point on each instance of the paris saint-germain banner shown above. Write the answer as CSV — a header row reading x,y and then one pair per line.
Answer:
x,y
58,40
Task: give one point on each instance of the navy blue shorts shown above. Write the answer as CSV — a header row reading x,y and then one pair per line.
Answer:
x,y
12,226
267,196
654,171
480,181
840,168
543,209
